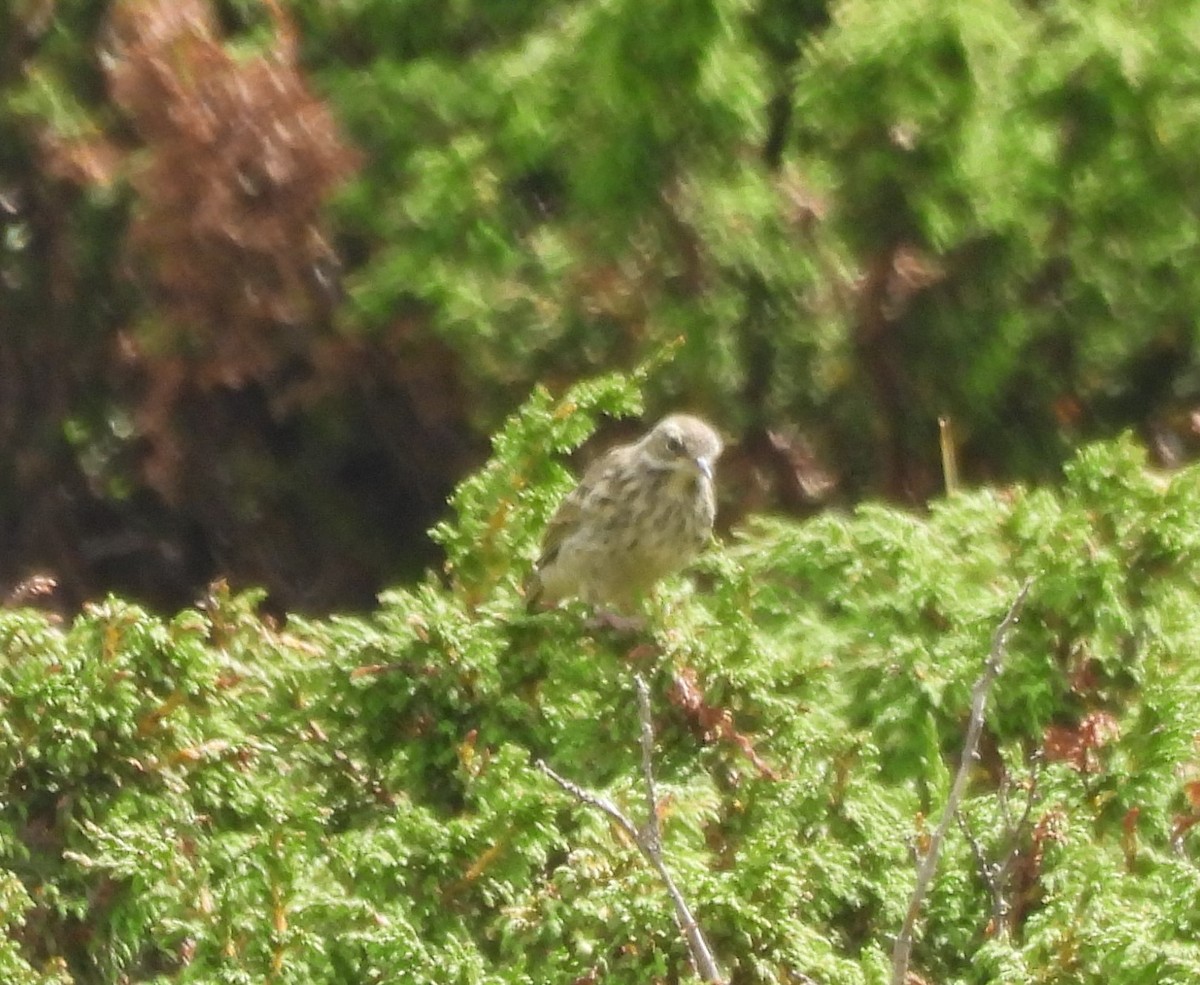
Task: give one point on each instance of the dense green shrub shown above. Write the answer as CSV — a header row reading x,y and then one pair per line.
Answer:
x,y
215,798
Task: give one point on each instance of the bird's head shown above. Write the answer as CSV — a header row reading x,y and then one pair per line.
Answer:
x,y
683,443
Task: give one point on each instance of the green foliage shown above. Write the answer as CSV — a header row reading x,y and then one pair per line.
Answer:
x,y
779,179
211,798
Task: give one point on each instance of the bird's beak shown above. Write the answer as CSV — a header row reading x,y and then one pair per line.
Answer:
x,y
705,467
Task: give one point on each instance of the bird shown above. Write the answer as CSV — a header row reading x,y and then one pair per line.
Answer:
x,y
641,512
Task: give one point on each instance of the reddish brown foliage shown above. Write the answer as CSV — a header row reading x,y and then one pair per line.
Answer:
x,y
717,723
90,160
1077,745
1182,825
198,399
1186,820
1051,828
240,158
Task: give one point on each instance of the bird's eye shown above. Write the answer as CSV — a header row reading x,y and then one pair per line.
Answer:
x,y
674,444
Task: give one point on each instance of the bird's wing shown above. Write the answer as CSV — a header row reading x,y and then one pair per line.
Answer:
x,y
564,520
577,504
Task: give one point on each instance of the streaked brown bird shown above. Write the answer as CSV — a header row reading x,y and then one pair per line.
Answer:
x,y
641,512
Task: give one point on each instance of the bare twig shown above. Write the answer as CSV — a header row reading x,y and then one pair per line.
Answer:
x,y
1030,799
1002,799
1006,866
979,695
648,837
990,872
653,834
601,803
651,846
997,875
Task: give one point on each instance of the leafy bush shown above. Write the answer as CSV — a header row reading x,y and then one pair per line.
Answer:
x,y
214,798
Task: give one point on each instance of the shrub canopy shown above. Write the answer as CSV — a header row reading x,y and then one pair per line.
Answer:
x,y
214,798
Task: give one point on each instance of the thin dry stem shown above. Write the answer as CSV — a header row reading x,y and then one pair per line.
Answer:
x,y
648,837
949,454
997,874
979,695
